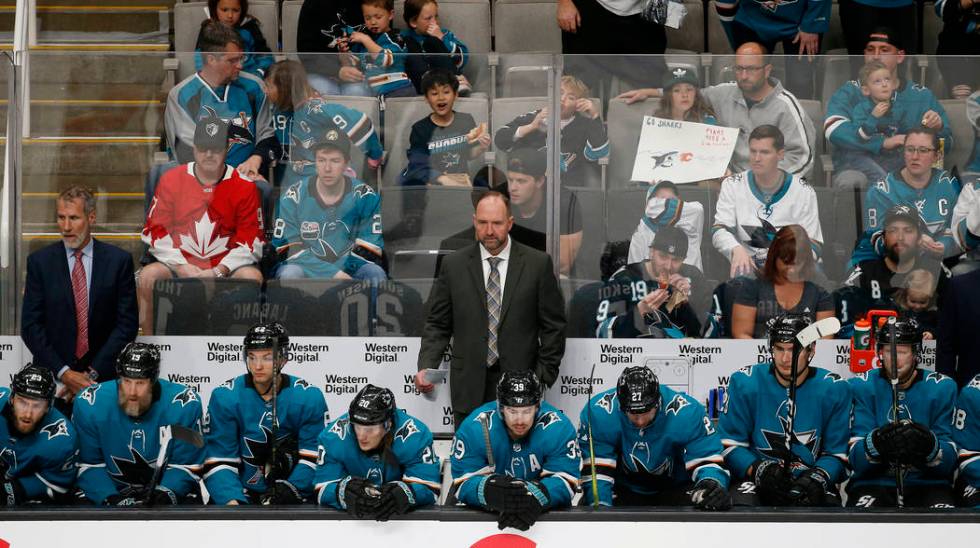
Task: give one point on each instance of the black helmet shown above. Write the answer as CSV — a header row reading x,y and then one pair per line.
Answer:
x,y
34,382
518,389
907,331
785,328
139,361
266,335
372,405
638,390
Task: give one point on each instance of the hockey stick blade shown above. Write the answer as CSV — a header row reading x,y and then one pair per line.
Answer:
x,y
817,330
187,435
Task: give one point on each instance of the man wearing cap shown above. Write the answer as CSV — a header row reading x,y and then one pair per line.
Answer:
x,y
844,132
857,17
653,298
665,208
526,186
873,282
752,100
205,220
329,225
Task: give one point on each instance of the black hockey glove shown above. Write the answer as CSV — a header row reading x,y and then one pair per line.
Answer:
x,y
161,496
917,444
512,520
13,492
504,494
773,482
362,498
396,498
810,488
282,492
882,444
708,494
287,456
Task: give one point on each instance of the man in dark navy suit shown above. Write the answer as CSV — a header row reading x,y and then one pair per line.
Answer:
x,y
957,344
79,300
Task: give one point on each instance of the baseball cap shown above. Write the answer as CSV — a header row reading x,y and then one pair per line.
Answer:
x,y
886,35
680,75
670,240
211,132
903,213
336,139
527,161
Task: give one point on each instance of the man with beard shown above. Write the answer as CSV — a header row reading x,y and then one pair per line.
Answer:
x,y
517,456
119,435
37,442
873,282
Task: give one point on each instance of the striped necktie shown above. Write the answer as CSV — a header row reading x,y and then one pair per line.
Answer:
x,y
493,309
79,288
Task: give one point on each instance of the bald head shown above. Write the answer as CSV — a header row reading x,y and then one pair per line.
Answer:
x,y
751,48
752,71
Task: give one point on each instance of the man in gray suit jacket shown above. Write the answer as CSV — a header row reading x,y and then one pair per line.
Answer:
x,y
514,282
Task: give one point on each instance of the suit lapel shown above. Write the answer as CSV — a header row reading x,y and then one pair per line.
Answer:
x,y
514,270
476,272
62,273
98,271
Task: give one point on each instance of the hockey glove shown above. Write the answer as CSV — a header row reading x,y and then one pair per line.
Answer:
x,y
161,496
882,444
708,494
512,520
362,498
917,444
396,498
810,488
282,492
286,457
13,492
503,493
773,482
122,499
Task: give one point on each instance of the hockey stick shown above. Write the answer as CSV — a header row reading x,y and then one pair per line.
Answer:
x,y
893,350
168,433
275,411
588,408
485,423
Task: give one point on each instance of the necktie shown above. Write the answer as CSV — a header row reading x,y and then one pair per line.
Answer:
x,y
493,310
80,289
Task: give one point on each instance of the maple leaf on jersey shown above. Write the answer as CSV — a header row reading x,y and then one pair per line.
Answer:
x,y
201,245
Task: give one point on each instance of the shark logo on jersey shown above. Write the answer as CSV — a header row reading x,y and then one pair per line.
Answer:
x,y
639,461
676,404
137,471
903,413
292,193
339,428
258,450
776,441
375,476
606,402
55,429
9,458
89,393
407,430
834,377
773,5
229,384
486,418
975,382
185,397
302,384
936,377
547,419
517,468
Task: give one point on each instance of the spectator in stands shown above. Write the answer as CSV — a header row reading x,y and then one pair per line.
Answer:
x,y
309,118
910,107
919,185
783,287
442,144
966,221
79,307
875,282
379,50
665,208
753,100
958,40
322,29
972,170
431,45
526,187
330,224
234,15
799,26
583,135
660,297
859,17
682,100
205,221
957,343
238,99
755,204
917,299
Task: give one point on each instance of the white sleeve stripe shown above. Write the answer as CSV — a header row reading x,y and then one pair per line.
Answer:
x,y
563,475
698,470
217,469
431,485
307,453
969,461
730,443
697,462
602,462
486,470
50,485
830,127
307,463
214,460
570,485
191,470
801,128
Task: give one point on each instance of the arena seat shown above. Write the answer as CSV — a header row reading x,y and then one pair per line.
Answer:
x,y
526,26
624,208
717,39
814,109
690,36
187,24
963,134
624,126
591,202
402,112
290,24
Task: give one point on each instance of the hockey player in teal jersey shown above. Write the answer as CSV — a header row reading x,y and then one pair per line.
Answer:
x,y
786,451
330,224
118,426
918,443
37,443
966,434
376,461
933,192
652,446
518,456
261,428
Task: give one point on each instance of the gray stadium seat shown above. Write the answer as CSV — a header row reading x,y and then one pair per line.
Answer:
x,y
690,35
526,26
187,24
402,112
815,111
962,134
624,134
290,24
717,39
624,208
592,204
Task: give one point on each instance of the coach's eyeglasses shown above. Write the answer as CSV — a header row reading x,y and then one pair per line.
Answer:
x,y
743,68
912,151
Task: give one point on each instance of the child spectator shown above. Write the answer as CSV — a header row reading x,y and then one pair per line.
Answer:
x,y
583,137
682,100
878,121
425,36
442,143
234,14
917,299
380,50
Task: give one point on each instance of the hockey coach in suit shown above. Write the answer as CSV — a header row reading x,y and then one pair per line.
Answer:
x,y
499,302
